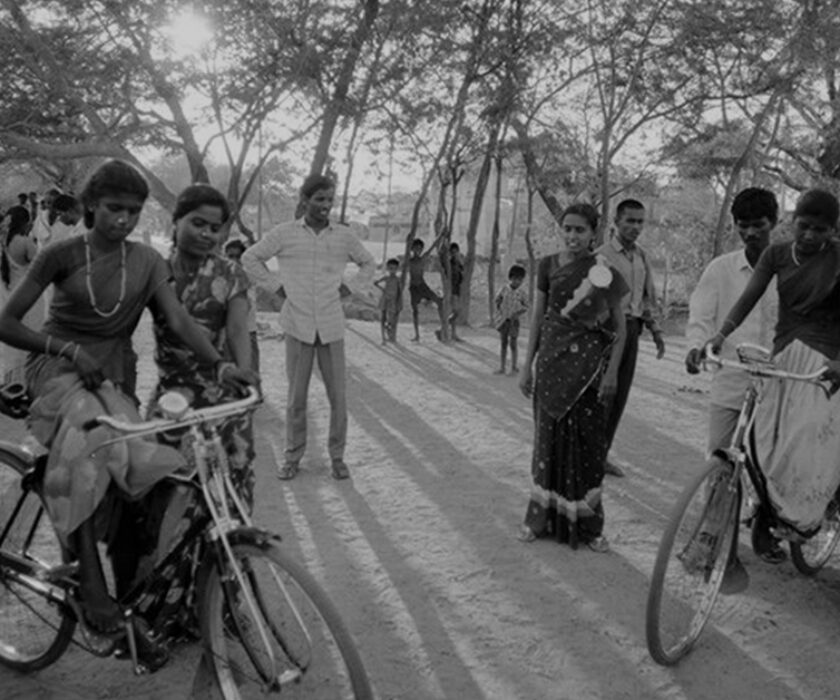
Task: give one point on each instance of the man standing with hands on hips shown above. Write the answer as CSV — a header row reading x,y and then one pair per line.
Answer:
x,y
625,255
312,253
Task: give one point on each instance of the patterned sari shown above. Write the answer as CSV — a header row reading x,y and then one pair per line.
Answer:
x,y
570,422
172,509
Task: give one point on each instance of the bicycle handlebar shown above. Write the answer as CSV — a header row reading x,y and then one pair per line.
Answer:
x,y
192,416
763,370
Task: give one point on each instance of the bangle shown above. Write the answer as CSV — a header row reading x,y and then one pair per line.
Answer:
x,y
76,353
63,348
47,345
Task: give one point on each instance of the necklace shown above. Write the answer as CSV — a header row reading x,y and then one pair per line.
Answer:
x,y
796,260
91,295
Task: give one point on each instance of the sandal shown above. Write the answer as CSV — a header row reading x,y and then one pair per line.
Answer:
x,y
288,471
526,534
340,470
599,544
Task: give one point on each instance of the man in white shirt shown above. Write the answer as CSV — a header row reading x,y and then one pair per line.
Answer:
x,y
755,213
312,253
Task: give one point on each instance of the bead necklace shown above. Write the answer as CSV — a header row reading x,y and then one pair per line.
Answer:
x,y
793,252
91,295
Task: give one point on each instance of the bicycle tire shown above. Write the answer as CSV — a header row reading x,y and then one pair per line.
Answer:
x,y
812,555
35,631
326,666
691,561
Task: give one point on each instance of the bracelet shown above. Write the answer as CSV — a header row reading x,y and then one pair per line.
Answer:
x,y
64,347
76,353
47,345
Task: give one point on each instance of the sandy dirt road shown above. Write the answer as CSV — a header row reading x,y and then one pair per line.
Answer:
x,y
418,550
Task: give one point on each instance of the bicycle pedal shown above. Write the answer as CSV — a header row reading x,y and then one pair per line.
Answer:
x,y
54,574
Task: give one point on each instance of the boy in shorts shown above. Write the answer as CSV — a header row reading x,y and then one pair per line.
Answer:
x,y
418,290
391,302
511,303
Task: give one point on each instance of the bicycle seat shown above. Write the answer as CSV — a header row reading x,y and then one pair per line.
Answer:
x,y
752,354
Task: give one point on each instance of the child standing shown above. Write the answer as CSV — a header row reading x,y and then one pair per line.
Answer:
x,y
391,301
418,289
511,303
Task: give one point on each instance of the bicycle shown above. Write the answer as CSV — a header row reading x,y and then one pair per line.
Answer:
x,y
701,537
266,624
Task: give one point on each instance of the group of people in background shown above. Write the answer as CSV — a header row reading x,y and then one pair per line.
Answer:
x,y
590,307
25,228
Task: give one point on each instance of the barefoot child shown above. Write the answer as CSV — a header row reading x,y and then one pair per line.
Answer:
x,y
391,301
511,303
418,289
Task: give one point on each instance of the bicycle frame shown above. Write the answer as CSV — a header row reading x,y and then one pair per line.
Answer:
x,y
759,369
217,490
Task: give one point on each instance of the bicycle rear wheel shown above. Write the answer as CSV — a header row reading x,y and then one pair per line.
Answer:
x,y
812,555
691,561
314,655
34,630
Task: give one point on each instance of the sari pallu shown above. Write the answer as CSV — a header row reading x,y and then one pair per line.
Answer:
x,y
80,470
797,441
570,422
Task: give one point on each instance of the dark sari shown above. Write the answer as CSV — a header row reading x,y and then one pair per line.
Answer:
x,y
570,422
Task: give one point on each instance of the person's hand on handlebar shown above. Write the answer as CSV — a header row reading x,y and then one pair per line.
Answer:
x,y
832,376
694,360
236,377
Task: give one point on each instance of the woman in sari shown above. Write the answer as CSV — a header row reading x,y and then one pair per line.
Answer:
x,y
214,291
797,441
577,334
82,365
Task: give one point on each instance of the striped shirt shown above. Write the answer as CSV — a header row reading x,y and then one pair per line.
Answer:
x,y
310,271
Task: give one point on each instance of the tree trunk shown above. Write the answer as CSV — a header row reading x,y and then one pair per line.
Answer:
x,y
475,217
337,103
494,240
734,175
529,246
535,174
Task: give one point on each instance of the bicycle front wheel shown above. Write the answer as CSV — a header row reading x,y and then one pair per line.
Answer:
x,y
291,640
813,554
35,629
691,561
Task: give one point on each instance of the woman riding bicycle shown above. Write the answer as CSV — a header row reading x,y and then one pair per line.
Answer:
x,y
796,442
214,291
102,284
